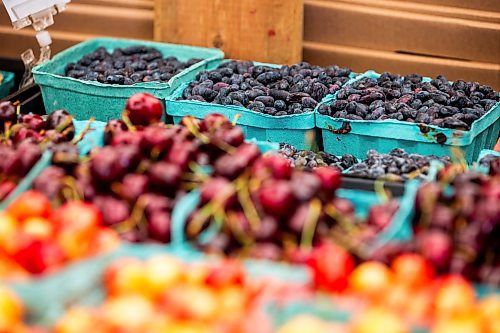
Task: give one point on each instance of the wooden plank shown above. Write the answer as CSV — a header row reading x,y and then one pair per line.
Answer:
x,y
431,9
361,59
142,4
350,24
101,20
262,30
491,5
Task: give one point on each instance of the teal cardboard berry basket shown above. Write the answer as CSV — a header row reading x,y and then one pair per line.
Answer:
x,y
86,99
344,136
399,230
7,83
290,129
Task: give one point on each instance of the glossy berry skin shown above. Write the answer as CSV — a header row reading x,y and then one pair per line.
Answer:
x,y
412,270
331,266
276,198
144,109
7,112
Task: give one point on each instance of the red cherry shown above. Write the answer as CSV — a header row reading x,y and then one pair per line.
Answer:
x,y
226,273
77,216
436,246
331,267
33,121
30,204
6,187
276,198
330,179
159,225
381,216
212,122
36,256
144,109
276,166
215,186
412,270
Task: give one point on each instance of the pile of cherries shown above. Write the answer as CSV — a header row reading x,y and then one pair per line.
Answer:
x,y
280,91
457,226
23,139
261,207
136,179
438,102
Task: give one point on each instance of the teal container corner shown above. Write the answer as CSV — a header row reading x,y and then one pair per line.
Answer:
x,y
7,84
343,136
86,99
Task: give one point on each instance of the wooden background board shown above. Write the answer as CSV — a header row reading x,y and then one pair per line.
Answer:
x,y
262,30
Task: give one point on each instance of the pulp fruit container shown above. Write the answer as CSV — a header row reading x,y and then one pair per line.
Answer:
x,y
7,83
399,230
344,136
290,129
46,298
86,99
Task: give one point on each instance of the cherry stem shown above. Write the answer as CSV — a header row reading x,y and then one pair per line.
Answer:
x,y
381,192
235,119
84,132
127,121
249,209
331,211
313,214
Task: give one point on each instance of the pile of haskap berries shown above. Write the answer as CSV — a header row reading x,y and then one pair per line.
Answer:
x,y
438,102
126,66
286,90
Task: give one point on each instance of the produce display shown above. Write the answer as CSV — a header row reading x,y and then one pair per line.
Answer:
x,y
396,165
193,227
162,294
35,239
265,209
126,66
286,90
306,159
137,178
409,98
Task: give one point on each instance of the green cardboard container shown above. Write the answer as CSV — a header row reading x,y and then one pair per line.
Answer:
x,y
7,84
344,136
290,129
86,99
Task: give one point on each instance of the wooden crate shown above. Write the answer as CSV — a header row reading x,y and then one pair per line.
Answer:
x,y
262,30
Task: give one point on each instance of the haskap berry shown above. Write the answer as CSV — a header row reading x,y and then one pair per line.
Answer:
x,y
280,91
439,102
397,165
308,160
127,66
